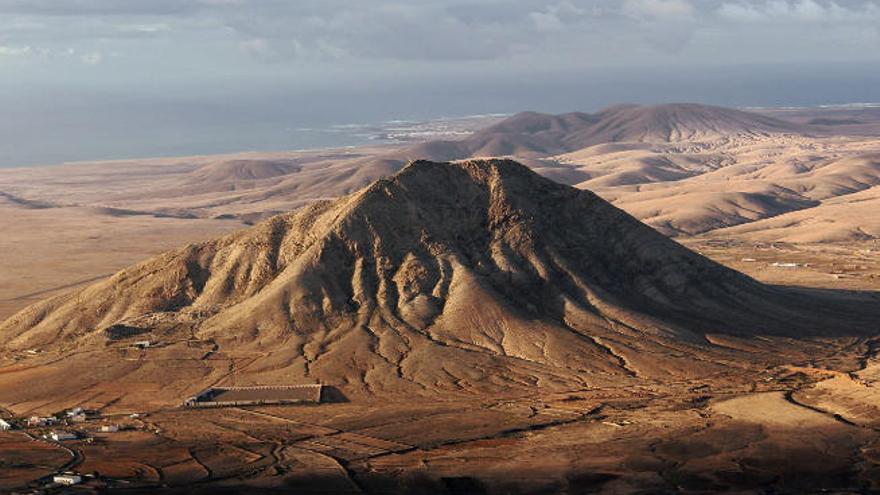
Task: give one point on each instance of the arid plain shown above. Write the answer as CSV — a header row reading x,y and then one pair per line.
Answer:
x,y
484,330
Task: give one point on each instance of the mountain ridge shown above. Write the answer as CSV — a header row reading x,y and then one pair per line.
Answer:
x,y
534,134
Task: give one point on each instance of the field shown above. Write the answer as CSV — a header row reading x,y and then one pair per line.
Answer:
x,y
279,394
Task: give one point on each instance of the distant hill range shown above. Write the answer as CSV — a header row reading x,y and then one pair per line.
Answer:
x,y
532,134
685,169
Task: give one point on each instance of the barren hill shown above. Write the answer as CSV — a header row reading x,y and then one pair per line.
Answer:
x,y
676,122
447,277
669,123
533,134
697,191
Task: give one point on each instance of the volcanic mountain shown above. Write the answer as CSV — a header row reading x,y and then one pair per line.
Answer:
x,y
677,122
533,134
461,277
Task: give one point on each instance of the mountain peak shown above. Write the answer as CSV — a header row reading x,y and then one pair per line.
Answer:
x,y
684,121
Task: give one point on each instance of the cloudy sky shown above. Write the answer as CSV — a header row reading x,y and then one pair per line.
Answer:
x,y
133,65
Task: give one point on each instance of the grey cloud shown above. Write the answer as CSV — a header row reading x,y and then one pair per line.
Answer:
x,y
659,9
666,25
800,11
302,34
310,30
117,7
95,7
390,30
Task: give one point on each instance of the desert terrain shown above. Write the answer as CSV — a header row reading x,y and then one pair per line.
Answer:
x,y
482,328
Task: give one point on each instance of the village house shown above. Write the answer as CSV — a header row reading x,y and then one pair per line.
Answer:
x,y
5,425
36,421
67,479
60,436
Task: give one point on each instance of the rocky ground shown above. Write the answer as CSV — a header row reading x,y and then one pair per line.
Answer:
x,y
646,408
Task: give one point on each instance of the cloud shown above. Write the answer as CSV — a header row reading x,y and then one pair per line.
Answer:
x,y
258,48
658,9
667,25
313,35
799,11
158,27
106,7
555,17
391,30
15,51
93,58
46,53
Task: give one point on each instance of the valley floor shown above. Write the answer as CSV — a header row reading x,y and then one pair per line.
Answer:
x,y
788,430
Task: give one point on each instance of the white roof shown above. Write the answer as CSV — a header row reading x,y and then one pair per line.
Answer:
x,y
67,478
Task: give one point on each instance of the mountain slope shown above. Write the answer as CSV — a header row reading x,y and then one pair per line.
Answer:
x,y
471,277
697,192
465,212
674,123
847,218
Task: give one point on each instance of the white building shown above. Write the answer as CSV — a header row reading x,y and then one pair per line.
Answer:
x,y
109,428
5,425
60,436
67,479
75,412
38,421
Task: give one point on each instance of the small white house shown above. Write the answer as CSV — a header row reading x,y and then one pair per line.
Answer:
x,y
67,479
38,421
5,425
143,344
75,412
60,436
109,428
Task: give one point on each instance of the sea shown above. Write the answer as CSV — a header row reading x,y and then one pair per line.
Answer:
x,y
59,123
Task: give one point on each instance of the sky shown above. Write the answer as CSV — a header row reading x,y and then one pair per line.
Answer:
x,y
94,79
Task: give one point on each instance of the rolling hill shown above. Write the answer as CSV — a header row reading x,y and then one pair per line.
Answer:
x,y
533,134
646,143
